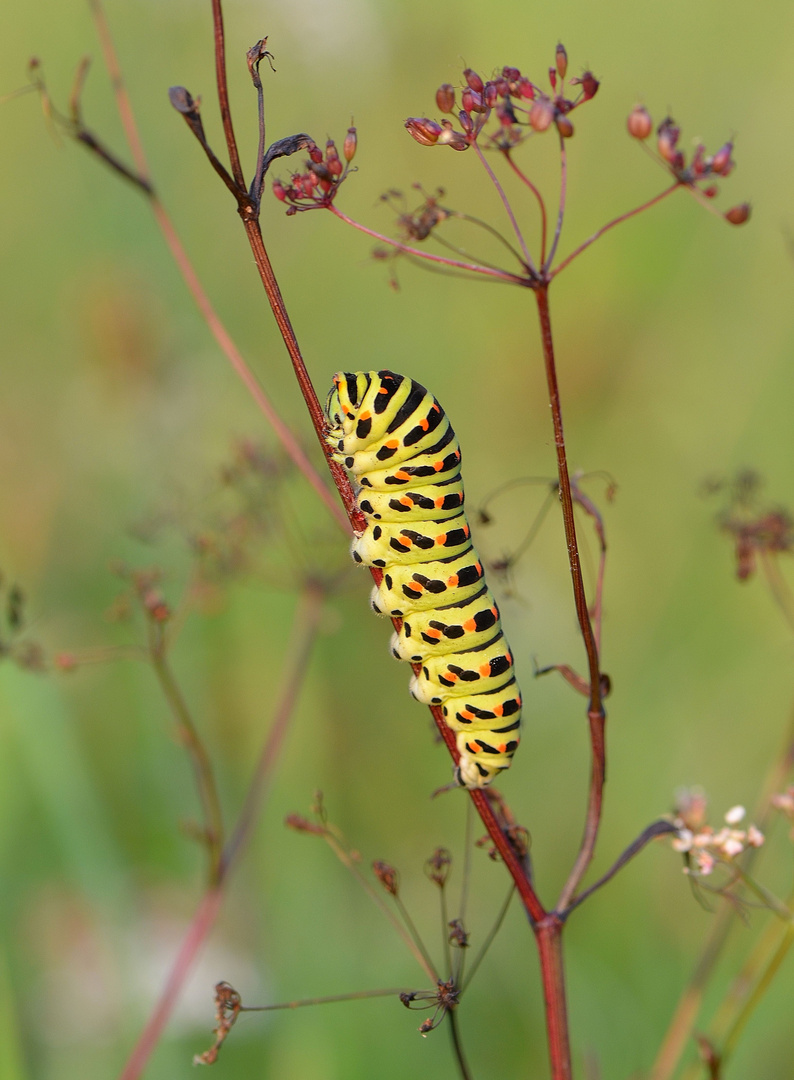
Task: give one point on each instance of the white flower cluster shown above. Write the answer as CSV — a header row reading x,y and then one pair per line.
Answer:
x,y
708,847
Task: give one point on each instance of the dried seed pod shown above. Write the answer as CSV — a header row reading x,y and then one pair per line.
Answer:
x,y
639,123
445,98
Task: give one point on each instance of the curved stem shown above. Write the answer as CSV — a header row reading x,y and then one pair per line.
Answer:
x,y
457,1046
475,268
611,225
508,209
541,204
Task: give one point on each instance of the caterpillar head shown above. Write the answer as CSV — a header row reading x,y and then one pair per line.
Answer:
x,y
344,399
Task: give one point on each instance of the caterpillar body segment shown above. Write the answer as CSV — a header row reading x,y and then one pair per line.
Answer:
x,y
396,440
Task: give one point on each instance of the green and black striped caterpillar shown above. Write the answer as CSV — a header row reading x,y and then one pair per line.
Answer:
x,y
396,440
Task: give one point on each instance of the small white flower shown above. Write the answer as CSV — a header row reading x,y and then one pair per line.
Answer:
x,y
755,837
705,862
735,815
732,846
683,842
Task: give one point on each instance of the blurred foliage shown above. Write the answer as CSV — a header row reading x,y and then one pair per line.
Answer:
x,y
119,415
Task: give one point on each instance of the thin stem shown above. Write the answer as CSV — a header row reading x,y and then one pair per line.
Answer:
x,y
474,268
541,204
411,927
457,1046
508,210
202,765
302,640
561,210
592,511
223,94
489,938
596,715
488,228
330,999
658,828
611,225
255,56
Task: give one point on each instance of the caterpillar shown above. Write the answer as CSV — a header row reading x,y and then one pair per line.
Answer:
x,y
395,439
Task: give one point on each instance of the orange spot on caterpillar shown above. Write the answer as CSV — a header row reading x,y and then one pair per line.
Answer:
x,y
441,539
478,566
417,585
498,710
436,407
509,658
438,465
392,444
466,531
485,670
450,676
502,748
383,390
452,581
466,715
433,633
424,424
439,502
406,500
365,415
470,624
406,541
401,475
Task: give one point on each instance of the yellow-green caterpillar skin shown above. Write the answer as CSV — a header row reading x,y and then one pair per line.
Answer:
x,y
396,440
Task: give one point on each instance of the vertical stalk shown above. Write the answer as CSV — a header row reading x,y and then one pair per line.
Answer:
x,y
595,713
548,935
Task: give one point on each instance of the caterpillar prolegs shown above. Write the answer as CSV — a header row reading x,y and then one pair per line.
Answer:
x,y
396,440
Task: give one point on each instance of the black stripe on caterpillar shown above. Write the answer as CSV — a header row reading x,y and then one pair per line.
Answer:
x,y
396,440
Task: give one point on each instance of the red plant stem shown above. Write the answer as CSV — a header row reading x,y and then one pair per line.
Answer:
x,y
595,714
475,268
548,935
223,93
611,225
285,436
197,932
543,219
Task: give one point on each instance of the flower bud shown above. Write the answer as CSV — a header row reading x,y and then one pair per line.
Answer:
x,y
474,81
279,190
525,88
737,215
561,59
710,191
639,123
590,85
553,79
667,137
465,121
445,98
491,95
316,154
472,101
331,153
722,159
387,876
512,74
564,126
350,144
541,115
423,130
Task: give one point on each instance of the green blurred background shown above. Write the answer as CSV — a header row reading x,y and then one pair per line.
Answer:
x,y
674,338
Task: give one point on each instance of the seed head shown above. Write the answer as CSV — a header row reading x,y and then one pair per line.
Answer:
x,y
350,144
737,215
473,80
590,85
561,58
387,876
426,132
541,115
564,126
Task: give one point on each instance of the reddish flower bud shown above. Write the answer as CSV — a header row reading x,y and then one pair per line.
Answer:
x,y
564,126
561,58
722,159
737,215
491,95
710,191
553,78
590,85
316,154
445,97
526,89
473,80
472,101
456,139
667,137
639,123
350,144
465,121
279,190
541,115
335,167
331,153
387,876
423,130
512,74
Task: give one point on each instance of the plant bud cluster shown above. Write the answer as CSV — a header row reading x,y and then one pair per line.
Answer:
x,y
518,104
318,185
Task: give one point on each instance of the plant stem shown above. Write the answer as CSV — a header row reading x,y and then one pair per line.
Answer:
x,y
457,1046
548,935
223,93
543,217
595,714
508,209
